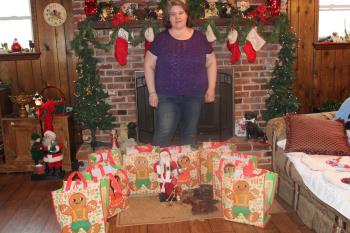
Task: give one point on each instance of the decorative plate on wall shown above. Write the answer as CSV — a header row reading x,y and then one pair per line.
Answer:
x,y
55,14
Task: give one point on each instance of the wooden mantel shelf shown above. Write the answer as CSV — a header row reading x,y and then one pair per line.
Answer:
x,y
331,46
19,56
101,25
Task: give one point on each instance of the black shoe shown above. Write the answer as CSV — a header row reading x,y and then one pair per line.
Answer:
x,y
163,197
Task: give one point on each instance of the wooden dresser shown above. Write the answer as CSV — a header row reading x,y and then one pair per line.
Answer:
x,y
17,134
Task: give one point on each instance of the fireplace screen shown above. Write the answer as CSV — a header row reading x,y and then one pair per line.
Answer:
x,y
216,118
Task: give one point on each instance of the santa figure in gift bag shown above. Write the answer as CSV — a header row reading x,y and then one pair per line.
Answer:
x,y
53,157
167,171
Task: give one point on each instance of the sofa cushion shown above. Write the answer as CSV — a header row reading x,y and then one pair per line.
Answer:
x,y
315,136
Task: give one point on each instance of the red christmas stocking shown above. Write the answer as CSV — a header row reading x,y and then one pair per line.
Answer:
x,y
210,34
121,46
149,38
254,42
232,45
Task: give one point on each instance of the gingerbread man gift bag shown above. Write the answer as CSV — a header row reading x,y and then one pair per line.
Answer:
x,y
248,199
138,162
78,206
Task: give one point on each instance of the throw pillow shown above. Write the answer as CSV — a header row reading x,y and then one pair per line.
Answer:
x,y
315,136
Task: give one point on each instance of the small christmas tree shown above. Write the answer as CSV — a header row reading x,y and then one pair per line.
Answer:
x,y
90,110
282,99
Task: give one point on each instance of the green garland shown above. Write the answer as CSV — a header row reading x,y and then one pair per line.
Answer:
x,y
281,98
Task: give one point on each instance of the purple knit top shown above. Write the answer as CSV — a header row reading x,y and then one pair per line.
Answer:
x,y
180,68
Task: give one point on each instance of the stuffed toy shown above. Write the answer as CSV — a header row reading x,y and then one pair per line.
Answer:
x,y
45,109
36,149
252,128
167,172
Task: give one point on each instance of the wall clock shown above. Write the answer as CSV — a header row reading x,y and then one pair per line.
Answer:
x,y
55,14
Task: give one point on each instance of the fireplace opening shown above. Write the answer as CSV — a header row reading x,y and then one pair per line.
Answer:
x,y
216,120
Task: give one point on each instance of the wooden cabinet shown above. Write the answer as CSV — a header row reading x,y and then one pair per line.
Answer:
x,y
17,133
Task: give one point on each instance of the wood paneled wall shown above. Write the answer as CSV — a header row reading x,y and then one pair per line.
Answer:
x,y
56,64
321,74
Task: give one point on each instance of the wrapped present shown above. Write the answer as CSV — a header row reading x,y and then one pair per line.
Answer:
x,y
112,156
230,163
78,206
138,161
119,192
188,163
248,199
208,151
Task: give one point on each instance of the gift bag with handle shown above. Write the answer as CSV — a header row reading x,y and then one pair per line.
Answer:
x,y
102,156
232,162
119,192
78,206
248,199
208,151
138,162
188,163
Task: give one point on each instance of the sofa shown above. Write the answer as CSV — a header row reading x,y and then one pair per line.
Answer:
x,y
314,213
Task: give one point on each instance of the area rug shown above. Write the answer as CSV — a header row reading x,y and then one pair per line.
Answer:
x,y
148,210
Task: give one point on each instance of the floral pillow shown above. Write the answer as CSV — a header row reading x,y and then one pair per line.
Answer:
x,y
315,136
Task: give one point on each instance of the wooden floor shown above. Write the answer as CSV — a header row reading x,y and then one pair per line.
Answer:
x,y
26,207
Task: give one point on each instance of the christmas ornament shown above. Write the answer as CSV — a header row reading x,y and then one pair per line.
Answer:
x,y
210,34
121,46
275,7
243,5
90,7
232,45
254,42
114,140
16,47
105,11
149,37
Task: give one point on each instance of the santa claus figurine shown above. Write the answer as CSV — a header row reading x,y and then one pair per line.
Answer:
x,y
53,156
167,173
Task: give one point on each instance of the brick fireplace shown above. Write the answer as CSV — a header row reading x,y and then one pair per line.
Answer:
x,y
249,85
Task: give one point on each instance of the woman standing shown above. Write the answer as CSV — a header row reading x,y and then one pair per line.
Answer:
x,y
180,72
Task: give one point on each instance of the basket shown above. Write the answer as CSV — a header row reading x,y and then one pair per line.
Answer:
x,y
55,94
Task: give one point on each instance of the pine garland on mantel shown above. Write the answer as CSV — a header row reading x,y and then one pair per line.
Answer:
x,y
281,99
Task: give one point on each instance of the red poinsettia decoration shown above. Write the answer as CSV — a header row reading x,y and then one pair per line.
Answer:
x,y
260,13
275,7
120,18
90,7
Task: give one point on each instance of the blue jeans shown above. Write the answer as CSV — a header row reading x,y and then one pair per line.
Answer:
x,y
174,111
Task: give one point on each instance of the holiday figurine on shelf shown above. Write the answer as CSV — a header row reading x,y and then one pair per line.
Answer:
x,y
31,46
16,47
167,173
90,7
53,157
114,140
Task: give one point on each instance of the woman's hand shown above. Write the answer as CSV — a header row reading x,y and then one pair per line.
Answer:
x,y
153,99
209,96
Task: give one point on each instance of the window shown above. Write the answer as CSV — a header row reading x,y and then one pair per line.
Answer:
x,y
16,22
334,16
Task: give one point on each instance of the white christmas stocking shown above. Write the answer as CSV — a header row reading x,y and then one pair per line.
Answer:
x,y
254,42
149,38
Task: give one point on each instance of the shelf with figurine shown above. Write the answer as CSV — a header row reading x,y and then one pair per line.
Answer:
x,y
334,41
18,52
